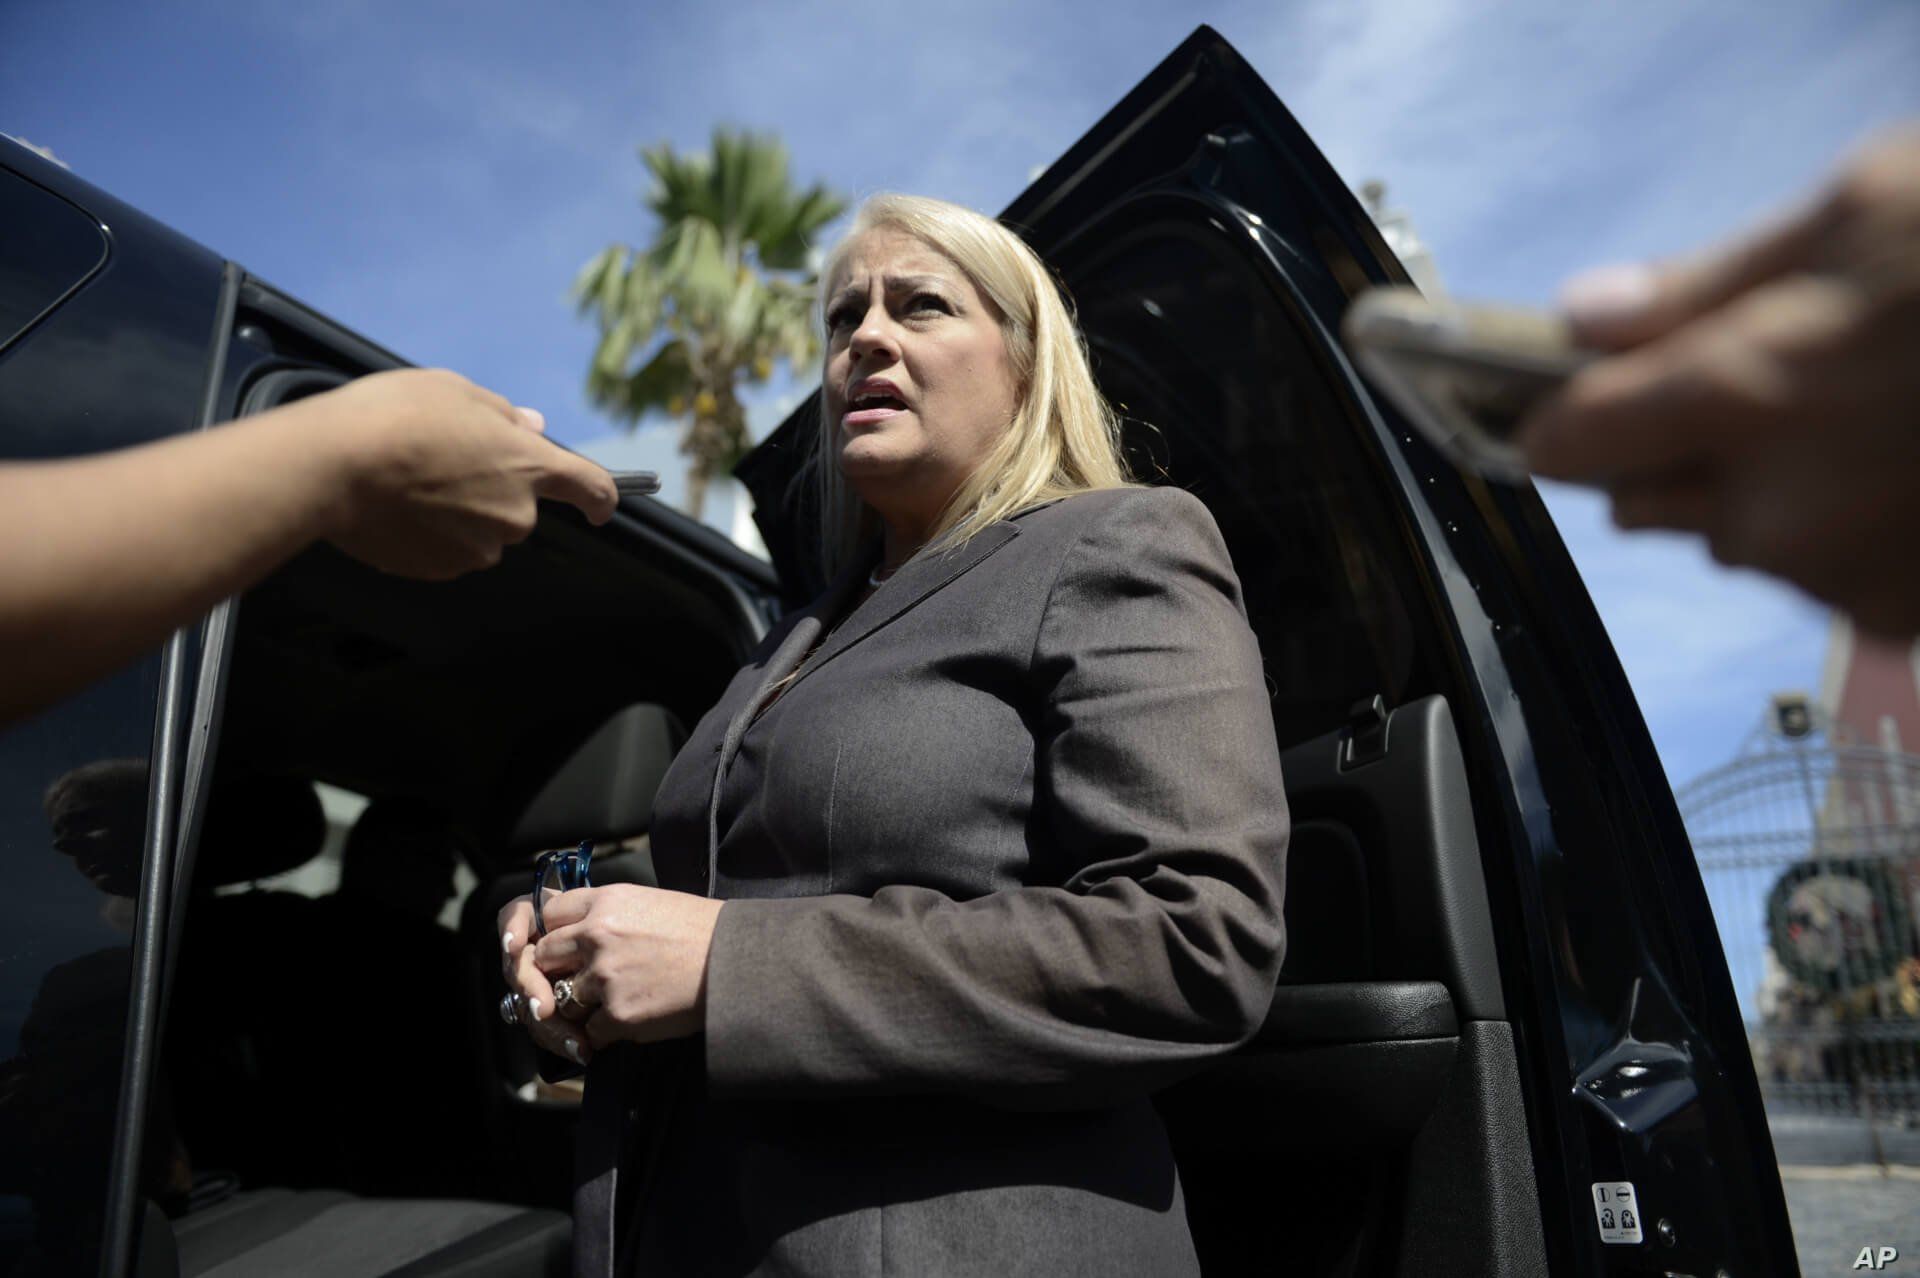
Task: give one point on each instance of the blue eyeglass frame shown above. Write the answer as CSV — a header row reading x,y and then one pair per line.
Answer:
x,y
571,867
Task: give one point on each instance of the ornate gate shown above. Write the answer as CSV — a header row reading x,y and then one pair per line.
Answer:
x,y
1811,855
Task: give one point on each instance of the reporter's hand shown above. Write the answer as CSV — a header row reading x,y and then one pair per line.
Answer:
x,y
636,955
1767,395
440,474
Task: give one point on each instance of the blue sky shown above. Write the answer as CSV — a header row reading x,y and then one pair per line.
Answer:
x,y
435,173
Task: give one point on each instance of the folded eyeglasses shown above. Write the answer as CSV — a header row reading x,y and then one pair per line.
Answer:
x,y
560,870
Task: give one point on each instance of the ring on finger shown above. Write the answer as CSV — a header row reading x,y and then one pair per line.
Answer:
x,y
511,1008
565,1001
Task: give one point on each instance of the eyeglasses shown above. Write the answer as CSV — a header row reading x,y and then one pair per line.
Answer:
x,y
560,870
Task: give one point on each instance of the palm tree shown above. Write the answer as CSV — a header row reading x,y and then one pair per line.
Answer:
x,y
721,293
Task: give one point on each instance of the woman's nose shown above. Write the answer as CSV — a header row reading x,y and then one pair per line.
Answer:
x,y
874,334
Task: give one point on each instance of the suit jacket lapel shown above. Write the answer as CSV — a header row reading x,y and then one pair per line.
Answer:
x,y
913,583
905,591
805,633
784,658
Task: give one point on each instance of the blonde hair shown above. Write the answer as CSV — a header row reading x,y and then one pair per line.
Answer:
x,y
1063,438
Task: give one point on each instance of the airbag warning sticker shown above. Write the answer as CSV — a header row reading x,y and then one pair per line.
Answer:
x,y
1617,1211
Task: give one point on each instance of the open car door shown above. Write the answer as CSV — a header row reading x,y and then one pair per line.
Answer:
x,y
1505,1041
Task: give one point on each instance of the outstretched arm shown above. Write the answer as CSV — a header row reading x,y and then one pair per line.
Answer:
x,y
416,472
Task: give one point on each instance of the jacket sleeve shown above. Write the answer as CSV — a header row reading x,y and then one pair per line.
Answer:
x,y
1159,814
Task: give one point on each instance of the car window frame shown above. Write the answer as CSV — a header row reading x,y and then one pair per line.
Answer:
x,y
171,787
9,341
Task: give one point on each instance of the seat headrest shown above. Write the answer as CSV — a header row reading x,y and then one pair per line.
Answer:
x,y
604,789
400,826
258,827
401,852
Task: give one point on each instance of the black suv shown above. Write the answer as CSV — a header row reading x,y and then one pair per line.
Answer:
x,y
1505,1041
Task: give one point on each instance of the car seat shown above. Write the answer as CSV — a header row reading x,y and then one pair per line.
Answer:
x,y
257,1051
603,789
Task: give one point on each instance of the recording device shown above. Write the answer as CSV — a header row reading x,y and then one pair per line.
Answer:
x,y
635,483
1464,375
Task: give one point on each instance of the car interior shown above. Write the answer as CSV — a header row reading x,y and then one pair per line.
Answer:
x,y
331,1105
338,1094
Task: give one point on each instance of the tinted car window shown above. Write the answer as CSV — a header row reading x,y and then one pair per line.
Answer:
x,y
49,246
1220,394
73,802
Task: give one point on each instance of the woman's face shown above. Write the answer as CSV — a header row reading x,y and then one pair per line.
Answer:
x,y
918,383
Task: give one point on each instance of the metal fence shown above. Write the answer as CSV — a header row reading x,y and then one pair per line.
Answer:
x,y
1810,853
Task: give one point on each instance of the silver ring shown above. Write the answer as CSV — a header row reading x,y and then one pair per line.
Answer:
x,y
510,1005
563,996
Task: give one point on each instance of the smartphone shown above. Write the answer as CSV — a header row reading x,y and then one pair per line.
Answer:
x,y
635,483
1464,375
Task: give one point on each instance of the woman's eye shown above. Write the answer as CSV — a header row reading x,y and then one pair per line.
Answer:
x,y
838,316
927,301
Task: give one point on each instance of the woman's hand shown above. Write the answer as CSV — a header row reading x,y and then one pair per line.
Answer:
x,y
556,1034
637,957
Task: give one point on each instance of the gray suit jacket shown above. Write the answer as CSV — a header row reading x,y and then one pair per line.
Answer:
x,y
1006,857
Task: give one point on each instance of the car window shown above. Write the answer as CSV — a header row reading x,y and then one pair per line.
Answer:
x,y
49,247
1220,394
322,876
73,807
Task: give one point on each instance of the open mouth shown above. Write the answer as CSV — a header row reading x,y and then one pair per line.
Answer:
x,y
872,406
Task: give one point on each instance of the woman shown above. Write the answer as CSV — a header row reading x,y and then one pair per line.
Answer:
x,y
976,851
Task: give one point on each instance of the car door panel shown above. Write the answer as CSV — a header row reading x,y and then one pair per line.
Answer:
x,y
1588,874
1376,1068
1405,797
1351,1068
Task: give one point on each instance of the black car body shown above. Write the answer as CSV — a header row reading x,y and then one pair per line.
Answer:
x,y
1504,994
